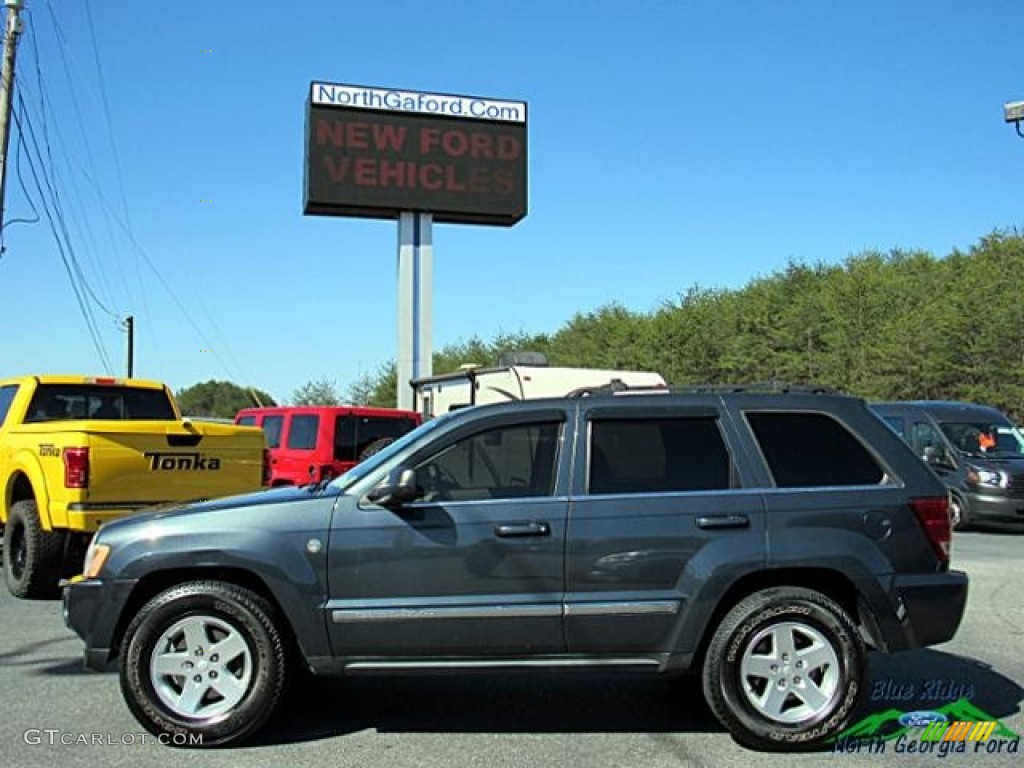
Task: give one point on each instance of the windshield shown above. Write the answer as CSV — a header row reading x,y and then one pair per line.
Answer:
x,y
361,470
982,438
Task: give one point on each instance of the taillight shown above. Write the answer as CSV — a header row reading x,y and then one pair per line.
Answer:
x,y
76,467
266,466
933,514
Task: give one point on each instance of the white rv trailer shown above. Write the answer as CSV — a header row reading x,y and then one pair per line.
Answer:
x,y
476,385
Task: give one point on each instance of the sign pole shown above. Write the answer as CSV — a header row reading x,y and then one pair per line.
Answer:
x,y
415,302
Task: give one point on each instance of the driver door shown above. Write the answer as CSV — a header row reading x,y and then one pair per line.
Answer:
x,y
475,566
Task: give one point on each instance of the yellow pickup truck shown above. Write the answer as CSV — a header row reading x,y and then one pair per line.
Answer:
x,y
78,451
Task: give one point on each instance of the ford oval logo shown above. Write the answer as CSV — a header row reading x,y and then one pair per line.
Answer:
x,y
921,718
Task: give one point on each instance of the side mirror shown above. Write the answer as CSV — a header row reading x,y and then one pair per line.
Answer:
x,y
398,488
937,455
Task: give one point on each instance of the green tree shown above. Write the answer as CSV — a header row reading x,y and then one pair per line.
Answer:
x,y
322,391
219,399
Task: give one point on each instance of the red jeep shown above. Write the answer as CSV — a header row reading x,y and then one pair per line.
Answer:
x,y
312,443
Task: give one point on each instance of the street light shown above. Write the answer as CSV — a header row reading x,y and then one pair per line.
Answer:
x,y
1013,112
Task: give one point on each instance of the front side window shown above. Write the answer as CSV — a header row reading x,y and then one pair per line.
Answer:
x,y
272,429
657,455
812,450
247,421
514,461
302,432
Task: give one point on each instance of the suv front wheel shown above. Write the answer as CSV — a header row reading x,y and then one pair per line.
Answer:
x,y
785,669
203,664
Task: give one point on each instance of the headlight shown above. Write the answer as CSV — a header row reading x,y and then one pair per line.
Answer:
x,y
95,558
990,477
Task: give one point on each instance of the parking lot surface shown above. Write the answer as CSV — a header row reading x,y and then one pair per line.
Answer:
x,y
56,712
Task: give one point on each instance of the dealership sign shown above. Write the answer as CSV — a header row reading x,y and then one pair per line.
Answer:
x,y
375,152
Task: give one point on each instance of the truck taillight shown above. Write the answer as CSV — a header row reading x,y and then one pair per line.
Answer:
x,y
76,467
266,466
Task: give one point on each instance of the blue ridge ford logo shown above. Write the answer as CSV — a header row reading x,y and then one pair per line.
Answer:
x,y
921,718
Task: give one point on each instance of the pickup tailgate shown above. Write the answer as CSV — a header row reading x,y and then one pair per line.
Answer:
x,y
160,461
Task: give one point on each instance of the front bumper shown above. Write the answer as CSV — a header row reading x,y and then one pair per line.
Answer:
x,y
993,506
92,609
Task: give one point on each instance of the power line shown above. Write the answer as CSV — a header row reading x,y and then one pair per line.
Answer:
x,y
79,297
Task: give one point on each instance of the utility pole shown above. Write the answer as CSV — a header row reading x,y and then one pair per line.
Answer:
x,y
129,325
12,31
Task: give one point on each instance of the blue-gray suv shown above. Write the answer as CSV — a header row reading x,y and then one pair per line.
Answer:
x,y
763,538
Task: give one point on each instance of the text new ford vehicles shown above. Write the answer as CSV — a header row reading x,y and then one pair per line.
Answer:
x,y
975,449
77,452
762,538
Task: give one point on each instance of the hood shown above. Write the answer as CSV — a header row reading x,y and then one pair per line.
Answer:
x,y
280,495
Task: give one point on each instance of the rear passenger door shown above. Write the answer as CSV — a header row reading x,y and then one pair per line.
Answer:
x,y
658,511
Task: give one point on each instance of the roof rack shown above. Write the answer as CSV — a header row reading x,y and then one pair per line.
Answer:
x,y
617,386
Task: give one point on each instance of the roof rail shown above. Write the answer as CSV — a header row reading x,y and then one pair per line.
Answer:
x,y
617,386
770,387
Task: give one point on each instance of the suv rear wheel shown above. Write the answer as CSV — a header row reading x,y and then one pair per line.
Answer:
x,y
203,663
785,669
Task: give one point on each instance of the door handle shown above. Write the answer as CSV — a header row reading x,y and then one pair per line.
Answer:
x,y
723,521
518,530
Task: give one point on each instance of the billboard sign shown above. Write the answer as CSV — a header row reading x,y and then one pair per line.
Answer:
x,y
376,152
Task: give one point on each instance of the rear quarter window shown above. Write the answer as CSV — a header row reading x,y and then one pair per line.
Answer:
x,y
812,450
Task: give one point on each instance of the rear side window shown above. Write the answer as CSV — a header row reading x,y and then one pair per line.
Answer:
x,y
812,450
658,455
6,398
272,429
247,421
302,432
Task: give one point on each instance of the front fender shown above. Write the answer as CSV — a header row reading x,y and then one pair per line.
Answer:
x,y
295,578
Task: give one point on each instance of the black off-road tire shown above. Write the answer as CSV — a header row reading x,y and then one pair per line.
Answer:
x,y
216,605
754,630
33,557
376,446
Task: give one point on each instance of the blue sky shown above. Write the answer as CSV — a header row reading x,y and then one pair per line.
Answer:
x,y
672,144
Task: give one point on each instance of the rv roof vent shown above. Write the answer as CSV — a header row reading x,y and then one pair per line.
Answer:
x,y
468,366
522,357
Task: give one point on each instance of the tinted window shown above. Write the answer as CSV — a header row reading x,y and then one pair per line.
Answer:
x,y
812,449
62,402
506,462
353,434
247,421
302,432
272,429
657,455
6,398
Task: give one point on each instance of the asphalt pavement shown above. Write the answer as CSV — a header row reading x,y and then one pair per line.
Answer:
x,y
57,713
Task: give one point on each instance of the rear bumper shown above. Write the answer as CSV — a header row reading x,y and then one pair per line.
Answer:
x,y
930,608
92,609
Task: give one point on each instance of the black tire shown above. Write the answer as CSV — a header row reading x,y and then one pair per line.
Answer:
x,y
217,714
376,446
810,703
959,517
33,557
